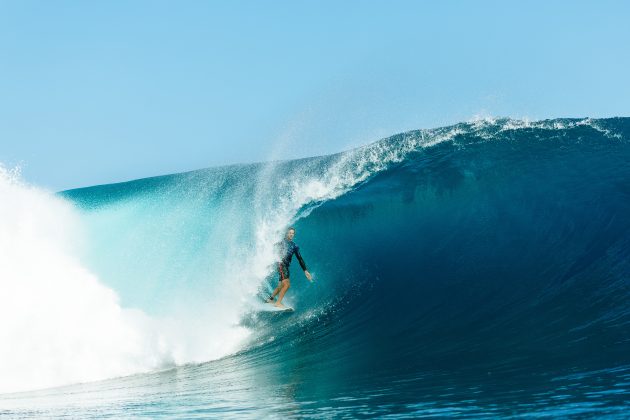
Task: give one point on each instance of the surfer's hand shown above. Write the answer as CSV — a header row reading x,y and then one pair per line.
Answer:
x,y
308,276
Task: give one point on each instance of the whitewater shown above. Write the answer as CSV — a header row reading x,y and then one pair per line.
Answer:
x,y
472,270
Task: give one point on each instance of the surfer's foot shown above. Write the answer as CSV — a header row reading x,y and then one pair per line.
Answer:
x,y
270,299
279,305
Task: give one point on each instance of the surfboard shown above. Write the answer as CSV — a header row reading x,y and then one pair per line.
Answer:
x,y
274,308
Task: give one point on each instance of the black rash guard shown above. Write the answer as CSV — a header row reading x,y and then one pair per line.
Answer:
x,y
286,251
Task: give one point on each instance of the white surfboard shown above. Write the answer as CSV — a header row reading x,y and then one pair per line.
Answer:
x,y
274,308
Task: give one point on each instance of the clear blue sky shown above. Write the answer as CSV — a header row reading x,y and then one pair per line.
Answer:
x,y
98,92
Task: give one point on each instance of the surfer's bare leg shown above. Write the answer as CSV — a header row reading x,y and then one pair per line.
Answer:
x,y
285,286
275,292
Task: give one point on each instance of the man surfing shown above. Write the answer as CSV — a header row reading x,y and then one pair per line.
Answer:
x,y
286,249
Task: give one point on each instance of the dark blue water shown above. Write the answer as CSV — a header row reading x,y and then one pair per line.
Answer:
x,y
485,275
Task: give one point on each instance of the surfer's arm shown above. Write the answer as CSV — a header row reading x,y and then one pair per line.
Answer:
x,y
303,264
300,259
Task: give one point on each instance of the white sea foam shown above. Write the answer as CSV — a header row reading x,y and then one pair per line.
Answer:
x,y
60,325
479,125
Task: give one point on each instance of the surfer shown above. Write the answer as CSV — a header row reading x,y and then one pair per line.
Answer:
x,y
286,249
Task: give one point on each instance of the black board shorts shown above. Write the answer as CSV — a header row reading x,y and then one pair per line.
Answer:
x,y
283,272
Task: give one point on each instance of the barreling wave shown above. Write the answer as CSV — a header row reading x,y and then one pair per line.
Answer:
x,y
490,246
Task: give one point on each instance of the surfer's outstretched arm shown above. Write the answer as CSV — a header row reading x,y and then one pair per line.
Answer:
x,y
300,259
303,264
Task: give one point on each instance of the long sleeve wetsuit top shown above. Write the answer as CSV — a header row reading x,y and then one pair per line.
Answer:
x,y
286,250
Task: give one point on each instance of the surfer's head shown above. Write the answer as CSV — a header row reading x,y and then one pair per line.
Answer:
x,y
290,233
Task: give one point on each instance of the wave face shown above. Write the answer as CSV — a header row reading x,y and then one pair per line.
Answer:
x,y
478,268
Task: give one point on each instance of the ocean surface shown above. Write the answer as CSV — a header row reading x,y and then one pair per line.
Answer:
x,y
479,270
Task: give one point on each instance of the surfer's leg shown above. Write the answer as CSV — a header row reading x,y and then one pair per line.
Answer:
x,y
275,292
285,286
284,274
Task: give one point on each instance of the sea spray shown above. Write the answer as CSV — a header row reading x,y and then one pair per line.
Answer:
x,y
60,324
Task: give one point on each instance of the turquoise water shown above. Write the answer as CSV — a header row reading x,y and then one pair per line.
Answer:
x,y
477,270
